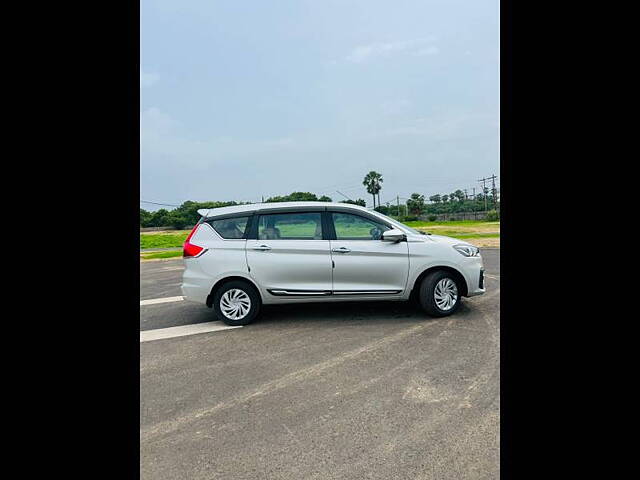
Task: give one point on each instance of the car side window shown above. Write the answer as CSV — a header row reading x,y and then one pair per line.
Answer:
x,y
230,228
355,227
290,226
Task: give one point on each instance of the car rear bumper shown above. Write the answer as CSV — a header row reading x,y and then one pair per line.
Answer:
x,y
196,285
194,293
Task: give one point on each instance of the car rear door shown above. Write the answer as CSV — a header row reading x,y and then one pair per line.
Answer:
x,y
287,254
364,264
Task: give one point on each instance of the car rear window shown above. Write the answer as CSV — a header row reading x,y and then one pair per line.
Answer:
x,y
230,228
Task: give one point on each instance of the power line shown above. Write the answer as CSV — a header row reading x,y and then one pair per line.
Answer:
x,y
163,204
338,191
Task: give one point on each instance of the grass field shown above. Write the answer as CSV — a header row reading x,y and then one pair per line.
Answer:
x,y
163,240
481,234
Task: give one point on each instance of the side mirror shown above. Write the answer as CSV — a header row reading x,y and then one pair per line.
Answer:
x,y
393,235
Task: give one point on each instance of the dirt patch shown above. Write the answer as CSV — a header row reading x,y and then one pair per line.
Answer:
x,y
493,242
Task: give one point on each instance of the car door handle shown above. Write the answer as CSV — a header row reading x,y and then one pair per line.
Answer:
x,y
341,250
262,247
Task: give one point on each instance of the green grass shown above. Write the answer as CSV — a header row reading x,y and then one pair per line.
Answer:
x,y
457,223
162,240
149,256
462,229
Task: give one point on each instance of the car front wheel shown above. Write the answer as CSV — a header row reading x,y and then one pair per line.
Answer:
x,y
236,303
440,294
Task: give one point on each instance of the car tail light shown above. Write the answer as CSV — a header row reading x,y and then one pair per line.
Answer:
x,y
189,249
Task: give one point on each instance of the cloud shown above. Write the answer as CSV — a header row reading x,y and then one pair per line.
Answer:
x,y
416,47
154,120
432,50
280,142
148,79
161,136
395,107
449,126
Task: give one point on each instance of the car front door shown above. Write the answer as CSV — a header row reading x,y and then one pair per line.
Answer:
x,y
364,263
288,255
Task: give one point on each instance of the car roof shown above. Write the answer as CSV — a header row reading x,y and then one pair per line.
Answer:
x,y
254,207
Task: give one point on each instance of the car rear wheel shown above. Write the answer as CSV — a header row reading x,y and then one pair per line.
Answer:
x,y
440,293
236,303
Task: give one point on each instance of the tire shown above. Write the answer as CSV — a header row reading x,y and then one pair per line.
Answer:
x,y
236,303
447,286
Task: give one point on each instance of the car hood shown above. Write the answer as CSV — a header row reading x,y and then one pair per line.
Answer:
x,y
439,239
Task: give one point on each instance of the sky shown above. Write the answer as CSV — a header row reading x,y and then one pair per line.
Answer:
x,y
245,99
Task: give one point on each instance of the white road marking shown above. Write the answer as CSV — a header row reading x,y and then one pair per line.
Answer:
x,y
173,268
495,277
171,332
154,301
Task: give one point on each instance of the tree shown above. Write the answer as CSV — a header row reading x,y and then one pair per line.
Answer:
x,y
324,198
175,220
295,197
159,218
494,197
188,211
435,198
372,181
415,204
359,201
445,198
145,217
459,195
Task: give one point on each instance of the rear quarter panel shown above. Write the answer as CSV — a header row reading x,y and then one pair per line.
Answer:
x,y
223,258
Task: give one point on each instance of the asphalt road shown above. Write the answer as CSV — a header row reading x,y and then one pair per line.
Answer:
x,y
339,391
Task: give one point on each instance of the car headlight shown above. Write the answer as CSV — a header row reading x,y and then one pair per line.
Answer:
x,y
467,250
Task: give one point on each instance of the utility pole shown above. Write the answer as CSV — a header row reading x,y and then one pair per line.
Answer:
x,y
484,191
473,205
493,191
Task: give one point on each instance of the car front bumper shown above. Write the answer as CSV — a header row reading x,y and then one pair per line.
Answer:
x,y
474,275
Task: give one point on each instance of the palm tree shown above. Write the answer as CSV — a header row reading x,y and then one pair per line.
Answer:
x,y
372,181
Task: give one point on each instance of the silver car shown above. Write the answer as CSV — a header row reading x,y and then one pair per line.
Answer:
x,y
239,258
